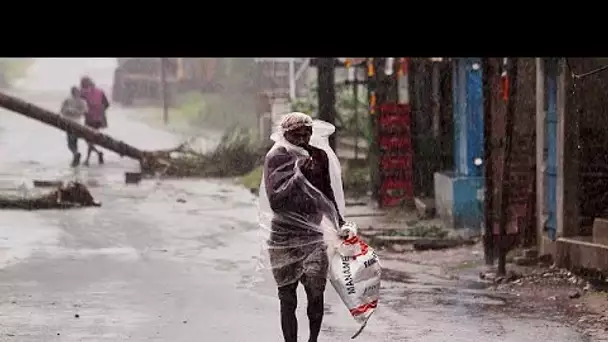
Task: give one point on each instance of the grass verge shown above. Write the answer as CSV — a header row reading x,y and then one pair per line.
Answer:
x,y
252,180
217,111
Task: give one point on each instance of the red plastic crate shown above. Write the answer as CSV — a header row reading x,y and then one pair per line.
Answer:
x,y
396,162
395,121
400,177
395,108
402,142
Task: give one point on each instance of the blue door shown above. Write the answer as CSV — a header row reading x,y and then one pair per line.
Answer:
x,y
474,116
468,116
551,147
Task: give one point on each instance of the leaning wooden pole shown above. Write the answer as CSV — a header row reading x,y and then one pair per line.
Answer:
x,y
326,89
37,113
506,167
488,237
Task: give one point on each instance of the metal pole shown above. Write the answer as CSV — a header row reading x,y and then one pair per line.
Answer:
x,y
435,79
540,150
488,233
292,80
356,111
378,84
164,90
327,94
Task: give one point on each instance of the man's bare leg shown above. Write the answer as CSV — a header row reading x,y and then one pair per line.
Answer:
x,y
315,288
289,302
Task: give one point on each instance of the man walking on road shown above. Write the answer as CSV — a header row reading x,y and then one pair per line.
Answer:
x,y
295,218
95,117
74,108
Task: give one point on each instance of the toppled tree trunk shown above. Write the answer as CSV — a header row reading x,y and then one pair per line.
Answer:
x,y
72,195
150,161
233,157
37,113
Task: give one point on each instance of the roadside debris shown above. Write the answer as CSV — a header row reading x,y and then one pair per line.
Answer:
x,y
47,184
133,177
70,195
420,236
580,300
236,154
551,277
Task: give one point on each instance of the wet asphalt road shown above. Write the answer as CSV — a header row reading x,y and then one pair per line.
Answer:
x,y
145,267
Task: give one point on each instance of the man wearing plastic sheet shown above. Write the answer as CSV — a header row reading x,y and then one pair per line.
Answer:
x,y
298,185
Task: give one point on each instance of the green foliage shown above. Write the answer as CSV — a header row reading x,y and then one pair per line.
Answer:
x,y
233,104
253,179
346,103
307,106
192,104
237,74
217,110
237,153
356,181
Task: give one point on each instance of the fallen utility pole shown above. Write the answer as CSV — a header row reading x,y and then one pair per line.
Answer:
x,y
37,113
187,163
506,168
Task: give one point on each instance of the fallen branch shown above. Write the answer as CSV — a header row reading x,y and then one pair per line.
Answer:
x,y
72,195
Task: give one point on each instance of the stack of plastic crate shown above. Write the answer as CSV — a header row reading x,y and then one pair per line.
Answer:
x,y
395,142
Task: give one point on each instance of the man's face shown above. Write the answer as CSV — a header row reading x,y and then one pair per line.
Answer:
x,y
299,136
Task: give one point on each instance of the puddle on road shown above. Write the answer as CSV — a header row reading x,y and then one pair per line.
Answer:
x,y
223,265
424,286
211,241
470,300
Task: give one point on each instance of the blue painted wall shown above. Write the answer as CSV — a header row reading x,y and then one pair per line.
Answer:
x,y
468,202
462,188
468,116
551,147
